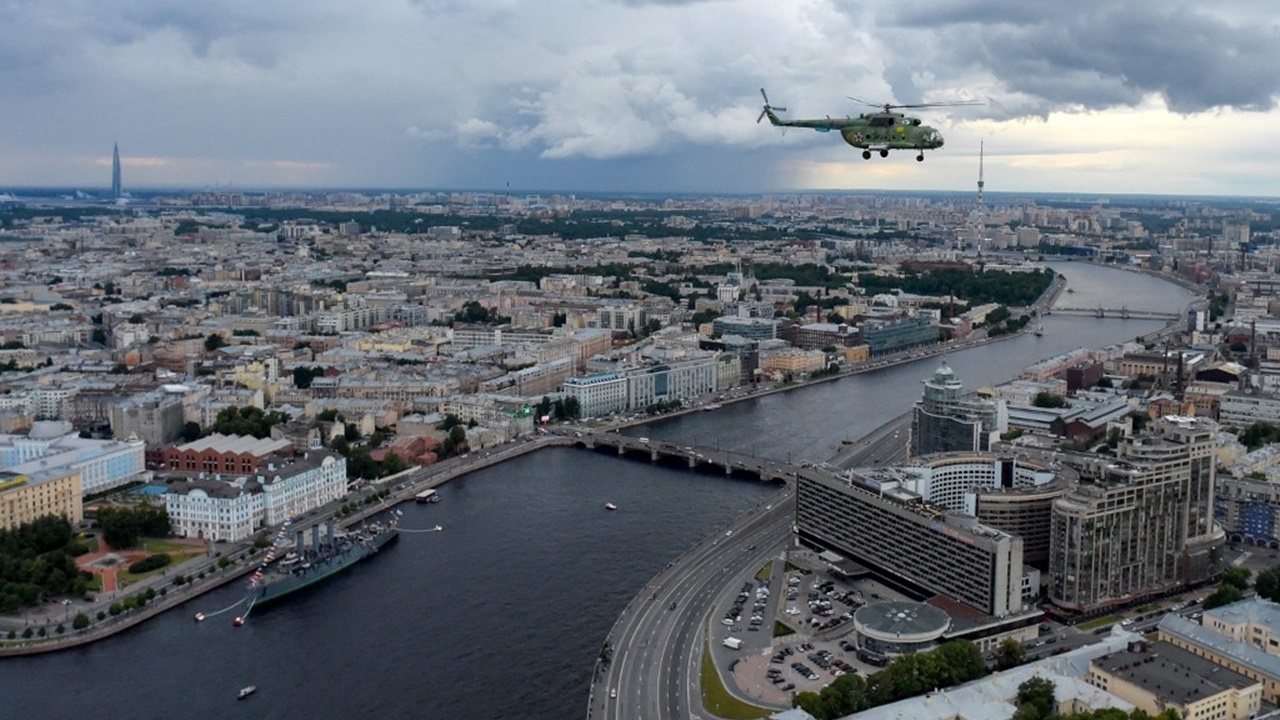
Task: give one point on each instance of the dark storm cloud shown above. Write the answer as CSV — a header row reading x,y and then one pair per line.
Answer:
x,y
1095,54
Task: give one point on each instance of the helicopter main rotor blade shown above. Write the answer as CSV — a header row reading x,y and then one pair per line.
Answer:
x,y
948,103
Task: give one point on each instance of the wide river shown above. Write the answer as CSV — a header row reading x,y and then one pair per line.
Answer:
x,y
501,615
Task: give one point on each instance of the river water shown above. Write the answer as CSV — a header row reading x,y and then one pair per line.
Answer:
x,y
501,614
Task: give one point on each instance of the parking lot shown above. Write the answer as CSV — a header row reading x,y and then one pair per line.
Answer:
x,y
819,608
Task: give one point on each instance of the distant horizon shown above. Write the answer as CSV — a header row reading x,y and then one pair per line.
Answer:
x,y
105,192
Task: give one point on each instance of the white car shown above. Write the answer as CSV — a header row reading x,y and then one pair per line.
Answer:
x,y
613,692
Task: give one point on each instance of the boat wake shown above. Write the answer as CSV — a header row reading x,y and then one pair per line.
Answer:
x,y
425,530
202,616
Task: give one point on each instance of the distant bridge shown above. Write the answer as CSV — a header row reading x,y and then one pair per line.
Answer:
x,y
1123,313
693,457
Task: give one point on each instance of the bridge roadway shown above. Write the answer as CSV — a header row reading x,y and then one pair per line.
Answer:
x,y
654,651
1123,313
693,457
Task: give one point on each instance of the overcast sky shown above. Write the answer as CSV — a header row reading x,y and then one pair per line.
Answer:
x,y
1142,96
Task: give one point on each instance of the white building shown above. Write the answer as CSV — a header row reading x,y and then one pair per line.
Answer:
x,y
598,394
214,510
102,464
232,510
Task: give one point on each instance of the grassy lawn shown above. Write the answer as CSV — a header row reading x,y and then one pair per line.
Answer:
x,y
124,578
1095,624
1149,608
781,629
172,547
717,700
765,572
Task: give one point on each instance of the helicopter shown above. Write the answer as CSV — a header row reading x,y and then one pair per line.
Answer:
x,y
878,131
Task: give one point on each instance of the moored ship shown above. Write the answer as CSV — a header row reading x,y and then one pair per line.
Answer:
x,y
327,556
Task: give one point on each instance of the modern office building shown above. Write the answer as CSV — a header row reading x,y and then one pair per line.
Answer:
x,y
1140,524
947,420
885,336
117,188
896,533
751,328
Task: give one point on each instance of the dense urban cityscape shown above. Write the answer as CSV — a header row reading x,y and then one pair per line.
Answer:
x,y
189,374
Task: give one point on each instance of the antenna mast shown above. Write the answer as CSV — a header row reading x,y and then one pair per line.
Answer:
x,y
982,201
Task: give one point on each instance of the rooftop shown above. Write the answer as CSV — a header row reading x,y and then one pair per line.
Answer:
x,y
1246,655
896,617
1171,673
1255,610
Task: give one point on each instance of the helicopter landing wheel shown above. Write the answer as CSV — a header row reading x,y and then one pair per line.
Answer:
x,y
866,154
920,157
884,153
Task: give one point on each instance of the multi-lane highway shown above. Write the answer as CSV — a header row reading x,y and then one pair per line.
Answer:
x,y
657,643
655,648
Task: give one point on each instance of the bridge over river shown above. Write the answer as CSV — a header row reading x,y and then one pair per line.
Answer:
x,y
1123,313
693,457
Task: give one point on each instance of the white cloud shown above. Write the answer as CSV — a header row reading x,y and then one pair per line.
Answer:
x,y
438,92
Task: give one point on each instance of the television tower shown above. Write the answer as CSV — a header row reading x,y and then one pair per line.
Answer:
x,y
116,189
982,201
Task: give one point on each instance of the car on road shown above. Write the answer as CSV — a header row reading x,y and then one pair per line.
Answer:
x,y
613,692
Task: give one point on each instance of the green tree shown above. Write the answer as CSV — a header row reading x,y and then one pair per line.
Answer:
x,y
1035,699
303,376
1010,653
458,436
1267,584
190,431
1046,399
1224,595
81,622
213,341
1237,577
392,464
572,408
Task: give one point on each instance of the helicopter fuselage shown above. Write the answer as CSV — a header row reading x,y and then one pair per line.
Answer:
x,y
890,131
879,131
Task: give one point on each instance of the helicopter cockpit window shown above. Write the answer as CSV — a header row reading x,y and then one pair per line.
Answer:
x,y
915,121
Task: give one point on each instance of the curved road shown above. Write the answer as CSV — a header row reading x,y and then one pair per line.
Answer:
x,y
655,667
655,651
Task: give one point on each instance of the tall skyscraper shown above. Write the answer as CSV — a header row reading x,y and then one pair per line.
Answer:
x,y
1140,524
946,420
117,189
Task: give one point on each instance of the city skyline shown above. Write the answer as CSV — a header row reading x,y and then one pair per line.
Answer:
x,y
639,96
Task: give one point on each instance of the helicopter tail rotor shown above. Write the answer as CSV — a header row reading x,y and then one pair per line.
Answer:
x,y
768,109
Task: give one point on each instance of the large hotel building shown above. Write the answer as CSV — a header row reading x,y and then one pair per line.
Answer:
x,y
890,528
